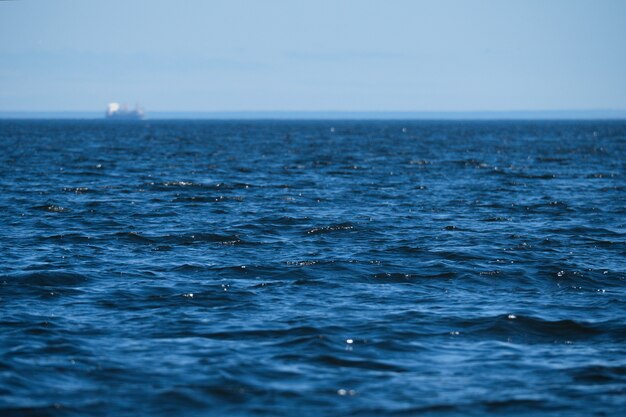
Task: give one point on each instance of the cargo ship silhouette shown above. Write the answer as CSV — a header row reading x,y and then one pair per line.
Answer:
x,y
115,111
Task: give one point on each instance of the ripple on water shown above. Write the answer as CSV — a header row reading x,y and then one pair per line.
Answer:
x,y
330,228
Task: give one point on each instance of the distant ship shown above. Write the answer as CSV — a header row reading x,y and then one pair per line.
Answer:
x,y
117,112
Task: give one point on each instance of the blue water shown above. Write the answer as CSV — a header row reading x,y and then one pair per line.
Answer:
x,y
312,268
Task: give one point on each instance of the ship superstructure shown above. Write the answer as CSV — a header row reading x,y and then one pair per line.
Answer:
x,y
115,111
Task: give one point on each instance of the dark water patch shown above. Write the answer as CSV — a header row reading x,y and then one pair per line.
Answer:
x,y
551,159
586,231
46,279
258,271
497,219
514,405
69,238
407,249
190,268
371,365
267,334
546,176
470,163
51,208
152,214
171,240
461,255
158,298
528,329
316,283
133,237
606,243
599,374
51,410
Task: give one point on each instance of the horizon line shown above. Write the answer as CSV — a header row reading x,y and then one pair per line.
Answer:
x,y
588,114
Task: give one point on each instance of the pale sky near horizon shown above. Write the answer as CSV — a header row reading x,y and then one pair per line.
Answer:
x,y
297,55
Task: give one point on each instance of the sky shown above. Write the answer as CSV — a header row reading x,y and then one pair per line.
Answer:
x,y
313,55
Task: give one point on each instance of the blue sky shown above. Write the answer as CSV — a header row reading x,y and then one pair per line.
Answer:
x,y
296,55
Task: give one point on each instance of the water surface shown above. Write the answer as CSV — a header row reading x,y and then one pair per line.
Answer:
x,y
312,268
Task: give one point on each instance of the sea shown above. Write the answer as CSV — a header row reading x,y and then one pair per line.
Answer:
x,y
312,268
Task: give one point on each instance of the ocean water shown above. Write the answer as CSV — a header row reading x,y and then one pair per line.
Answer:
x,y
312,268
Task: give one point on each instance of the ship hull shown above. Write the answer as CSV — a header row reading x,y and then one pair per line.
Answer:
x,y
127,116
